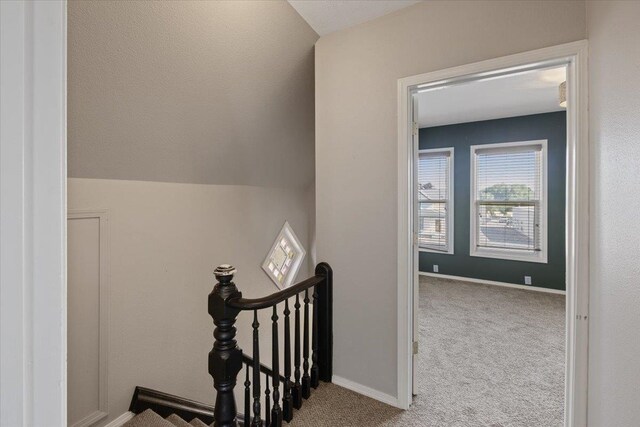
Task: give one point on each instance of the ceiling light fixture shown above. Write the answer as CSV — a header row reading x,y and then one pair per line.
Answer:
x,y
562,94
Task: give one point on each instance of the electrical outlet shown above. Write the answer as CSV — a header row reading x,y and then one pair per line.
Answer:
x,y
435,268
527,280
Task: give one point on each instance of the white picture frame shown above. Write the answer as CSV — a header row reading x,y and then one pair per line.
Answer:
x,y
285,257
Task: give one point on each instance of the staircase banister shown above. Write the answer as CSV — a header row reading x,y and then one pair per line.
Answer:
x,y
226,358
248,360
165,404
240,303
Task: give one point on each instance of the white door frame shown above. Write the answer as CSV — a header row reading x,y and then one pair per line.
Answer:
x,y
574,55
33,173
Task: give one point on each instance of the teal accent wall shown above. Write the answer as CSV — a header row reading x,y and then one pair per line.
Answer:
x,y
549,126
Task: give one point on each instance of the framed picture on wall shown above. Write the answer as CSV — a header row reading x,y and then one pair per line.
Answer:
x,y
284,258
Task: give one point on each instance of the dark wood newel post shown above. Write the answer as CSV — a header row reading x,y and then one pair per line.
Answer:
x,y
325,322
225,359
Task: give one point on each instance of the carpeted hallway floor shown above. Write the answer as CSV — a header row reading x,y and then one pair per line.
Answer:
x,y
490,356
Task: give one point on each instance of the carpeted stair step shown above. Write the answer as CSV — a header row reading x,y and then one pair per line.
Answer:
x,y
148,418
177,421
197,422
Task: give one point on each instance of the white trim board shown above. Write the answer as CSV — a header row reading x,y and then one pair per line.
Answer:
x,y
493,283
90,419
365,391
102,215
574,57
33,182
119,422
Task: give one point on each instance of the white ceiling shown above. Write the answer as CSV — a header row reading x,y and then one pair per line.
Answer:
x,y
513,95
327,16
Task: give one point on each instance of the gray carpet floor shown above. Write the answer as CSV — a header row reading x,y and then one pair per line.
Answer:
x,y
490,356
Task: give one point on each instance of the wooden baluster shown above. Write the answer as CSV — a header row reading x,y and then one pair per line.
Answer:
x,y
247,396
297,388
267,402
276,411
225,359
256,372
287,404
315,370
306,381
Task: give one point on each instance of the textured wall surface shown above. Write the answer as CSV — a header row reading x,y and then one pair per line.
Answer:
x,y
549,126
165,240
192,123
357,71
614,347
201,92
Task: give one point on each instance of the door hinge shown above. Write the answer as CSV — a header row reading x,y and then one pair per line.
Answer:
x,y
415,347
415,128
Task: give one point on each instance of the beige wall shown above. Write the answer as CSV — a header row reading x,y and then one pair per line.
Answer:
x,y
192,123
213,92
165,239
614,347
356,139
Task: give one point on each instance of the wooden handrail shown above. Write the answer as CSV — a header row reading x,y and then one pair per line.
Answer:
x,y
240,303
165,404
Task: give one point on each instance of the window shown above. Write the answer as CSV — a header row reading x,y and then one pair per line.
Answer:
x,y
435,196
509,201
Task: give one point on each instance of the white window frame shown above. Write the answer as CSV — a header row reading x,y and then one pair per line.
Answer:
x,y
450,201
509,254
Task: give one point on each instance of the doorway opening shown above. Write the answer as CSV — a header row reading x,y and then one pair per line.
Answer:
x,y
491,198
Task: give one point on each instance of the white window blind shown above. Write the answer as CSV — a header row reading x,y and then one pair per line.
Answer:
x,y
509,197
434,200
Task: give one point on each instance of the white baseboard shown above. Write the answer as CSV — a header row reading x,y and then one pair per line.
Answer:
x,y
118,422
491,282
366,391
90,419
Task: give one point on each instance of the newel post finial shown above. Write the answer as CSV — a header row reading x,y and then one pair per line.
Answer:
x,y
225,359
224,271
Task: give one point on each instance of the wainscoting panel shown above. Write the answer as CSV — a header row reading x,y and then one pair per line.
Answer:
x,y
87,317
